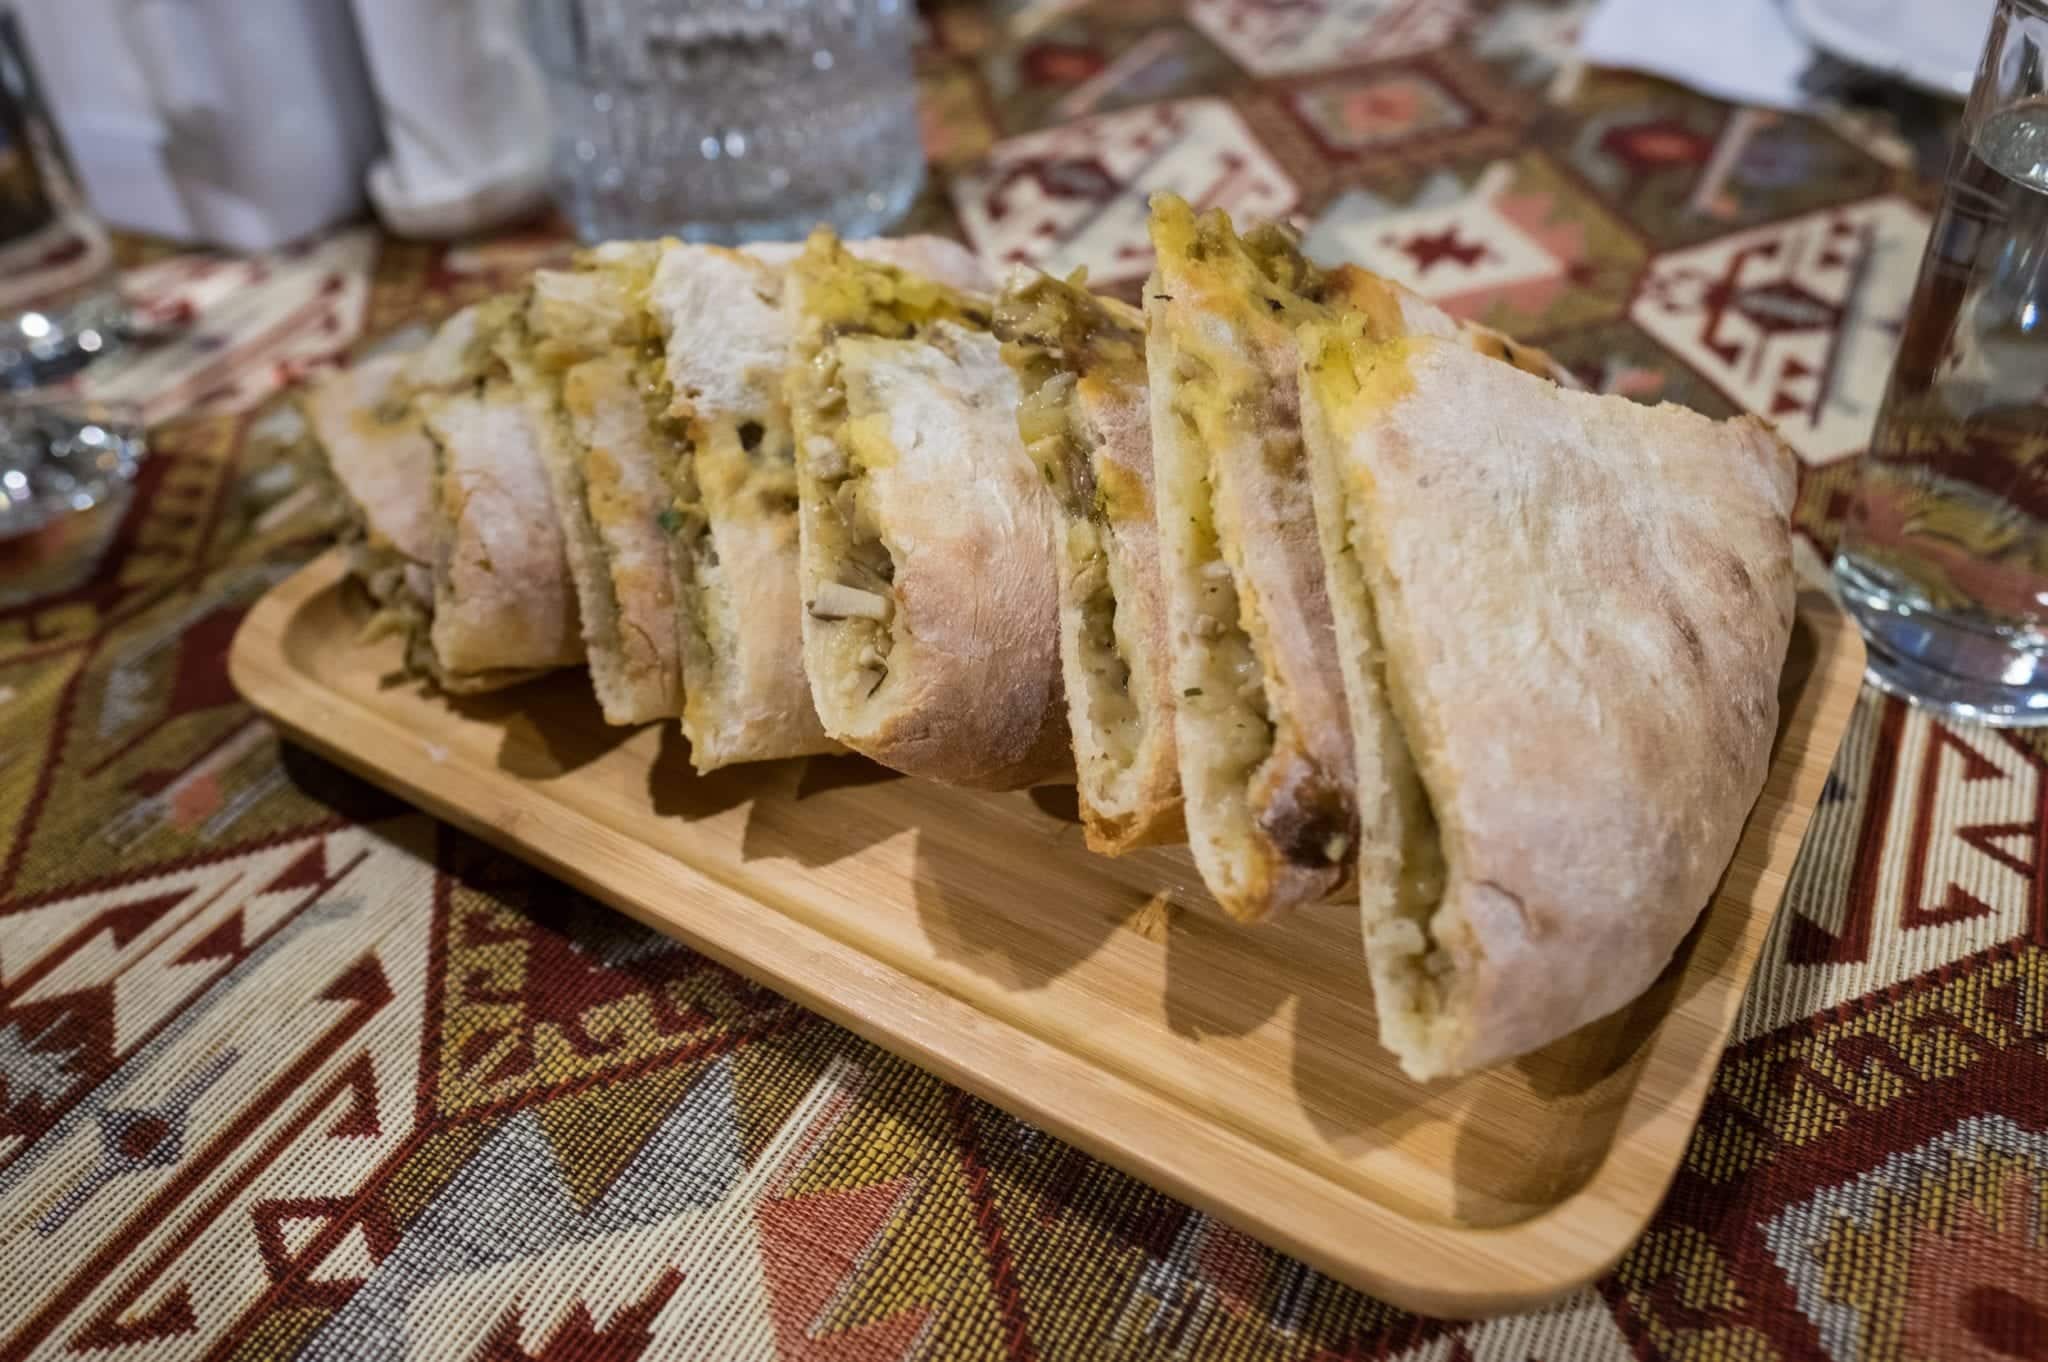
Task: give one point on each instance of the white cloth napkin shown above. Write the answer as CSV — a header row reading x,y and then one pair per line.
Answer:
x,y
1747,51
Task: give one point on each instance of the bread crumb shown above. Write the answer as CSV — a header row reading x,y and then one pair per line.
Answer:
x,y
1155,919
436,753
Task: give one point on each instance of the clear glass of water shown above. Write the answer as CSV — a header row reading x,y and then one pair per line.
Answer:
x,y
730,120
1944,558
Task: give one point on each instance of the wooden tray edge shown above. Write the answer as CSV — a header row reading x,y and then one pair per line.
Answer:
x,y
1427,1267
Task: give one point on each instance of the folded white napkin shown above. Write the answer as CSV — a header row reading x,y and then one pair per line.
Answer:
x,y
1748,51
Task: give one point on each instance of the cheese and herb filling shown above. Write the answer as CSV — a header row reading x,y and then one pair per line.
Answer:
x,y
621,448
578,352
851,310
738,470
1067,345
1352,377
686,522
715,383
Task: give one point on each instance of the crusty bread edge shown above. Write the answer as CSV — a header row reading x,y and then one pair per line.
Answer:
x,y
1136,804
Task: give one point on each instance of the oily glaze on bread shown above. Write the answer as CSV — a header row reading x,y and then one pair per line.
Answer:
x,y
574,352
931,633
732,518
1081,361
1265,745
1563,619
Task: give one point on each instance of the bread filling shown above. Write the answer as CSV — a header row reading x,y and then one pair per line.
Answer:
x,y
855,594
1111,709
1052,426
687,525
575,351
1280,799
1227,701
852,582
1053,332
621,442
383,572
599,601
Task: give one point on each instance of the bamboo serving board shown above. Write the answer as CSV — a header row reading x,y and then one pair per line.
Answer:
x,y
1105,1000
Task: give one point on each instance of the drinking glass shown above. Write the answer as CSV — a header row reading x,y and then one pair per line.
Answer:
x,y
1944,557
59,456
729,120
59,308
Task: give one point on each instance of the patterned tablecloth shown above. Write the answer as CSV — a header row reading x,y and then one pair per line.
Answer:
x,y
286,1068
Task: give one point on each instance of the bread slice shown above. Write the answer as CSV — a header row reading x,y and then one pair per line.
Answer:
x,y
931,624
503,606
1562,619
731,513
731,473
577,357
1081,362
1264,741
1265,748
417,444
381,461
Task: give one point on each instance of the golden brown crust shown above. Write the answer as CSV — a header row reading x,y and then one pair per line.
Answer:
x,y
1630,569
1273,825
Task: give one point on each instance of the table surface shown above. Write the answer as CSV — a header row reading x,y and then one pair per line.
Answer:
x,y
289,1069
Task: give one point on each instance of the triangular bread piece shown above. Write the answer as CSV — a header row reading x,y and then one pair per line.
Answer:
x,y
577,354
437,465
1562,618
1265,745
1081,361
732,518
931,611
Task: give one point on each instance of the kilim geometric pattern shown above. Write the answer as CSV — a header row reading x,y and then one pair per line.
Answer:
x,y
289,1070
